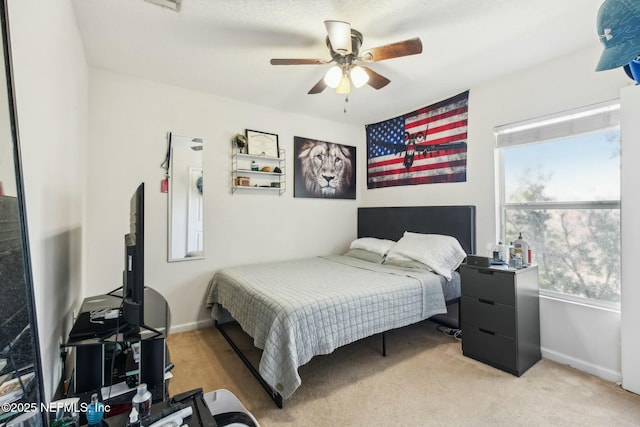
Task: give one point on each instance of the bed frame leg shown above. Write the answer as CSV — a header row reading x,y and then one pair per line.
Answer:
x,y
384,345
274,395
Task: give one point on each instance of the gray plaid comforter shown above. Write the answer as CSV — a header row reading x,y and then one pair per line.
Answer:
x,y
297,309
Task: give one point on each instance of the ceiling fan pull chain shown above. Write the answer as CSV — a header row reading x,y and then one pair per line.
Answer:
x,y
346,100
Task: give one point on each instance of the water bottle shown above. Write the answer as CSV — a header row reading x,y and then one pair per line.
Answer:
x,y
505,253
498,252
95,411
142,401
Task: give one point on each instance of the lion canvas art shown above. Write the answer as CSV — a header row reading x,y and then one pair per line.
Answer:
x,y
324,169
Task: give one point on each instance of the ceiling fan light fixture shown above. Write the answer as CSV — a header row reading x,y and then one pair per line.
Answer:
x,y
333,77
339,35
344,87
344,43
359,76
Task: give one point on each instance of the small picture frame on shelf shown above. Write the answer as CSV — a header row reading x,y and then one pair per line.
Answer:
x,y
262,143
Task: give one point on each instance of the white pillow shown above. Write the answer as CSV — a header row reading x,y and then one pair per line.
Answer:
x,y
371,244
442,253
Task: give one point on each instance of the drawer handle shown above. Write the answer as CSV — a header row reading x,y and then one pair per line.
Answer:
x,y
486,331
486,301
486,271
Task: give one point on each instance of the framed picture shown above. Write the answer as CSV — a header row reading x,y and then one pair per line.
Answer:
x,y
262,143
323,169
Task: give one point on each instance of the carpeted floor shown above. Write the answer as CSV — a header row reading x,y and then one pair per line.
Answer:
x,y
424,381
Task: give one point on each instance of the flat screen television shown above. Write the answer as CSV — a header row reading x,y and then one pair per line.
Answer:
x,y
133,286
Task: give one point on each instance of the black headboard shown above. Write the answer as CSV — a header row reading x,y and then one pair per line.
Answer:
x,y
392,222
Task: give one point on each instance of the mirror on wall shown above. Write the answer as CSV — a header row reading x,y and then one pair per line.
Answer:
x,y
186,199
20,364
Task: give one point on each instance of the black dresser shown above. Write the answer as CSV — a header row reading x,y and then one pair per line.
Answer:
x,y
500,318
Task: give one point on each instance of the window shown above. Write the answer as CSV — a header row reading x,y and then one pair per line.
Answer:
x,y
559,185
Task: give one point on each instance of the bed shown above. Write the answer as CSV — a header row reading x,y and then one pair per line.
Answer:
x,y
296,309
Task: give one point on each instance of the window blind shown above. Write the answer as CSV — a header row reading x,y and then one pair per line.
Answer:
x,y
561,125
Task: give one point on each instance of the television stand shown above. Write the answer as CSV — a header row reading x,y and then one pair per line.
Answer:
x,y
92,345
131,331
127,327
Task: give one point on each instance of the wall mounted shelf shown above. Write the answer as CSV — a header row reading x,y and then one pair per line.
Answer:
x,y
257,180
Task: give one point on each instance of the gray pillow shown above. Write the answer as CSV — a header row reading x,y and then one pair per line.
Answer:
x,y
407,263
365,255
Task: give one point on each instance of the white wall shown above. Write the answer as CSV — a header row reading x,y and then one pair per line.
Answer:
x,y
584,337
129,119
630,129
52,101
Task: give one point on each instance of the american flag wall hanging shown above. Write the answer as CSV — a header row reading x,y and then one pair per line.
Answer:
x,y
425,146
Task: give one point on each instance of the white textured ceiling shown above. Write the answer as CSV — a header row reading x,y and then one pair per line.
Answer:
x,y
223,47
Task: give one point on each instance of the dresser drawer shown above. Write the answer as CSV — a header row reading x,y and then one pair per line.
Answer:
x,y
488,284
496,350
494,317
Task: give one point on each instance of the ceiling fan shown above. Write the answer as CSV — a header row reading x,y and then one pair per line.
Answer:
x,y
344,46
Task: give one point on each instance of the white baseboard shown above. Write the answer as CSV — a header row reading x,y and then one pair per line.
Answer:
x,y
581,365
191,326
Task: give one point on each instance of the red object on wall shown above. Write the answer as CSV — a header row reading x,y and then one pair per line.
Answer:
x,y
164,185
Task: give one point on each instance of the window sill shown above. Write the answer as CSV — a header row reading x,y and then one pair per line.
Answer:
x,y
570,299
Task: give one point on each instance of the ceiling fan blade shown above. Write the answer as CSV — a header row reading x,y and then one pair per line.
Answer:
x,y
339,33
278,61
393,50
319,87
376,81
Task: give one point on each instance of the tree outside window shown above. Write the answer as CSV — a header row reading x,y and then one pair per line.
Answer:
x,y
563,195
